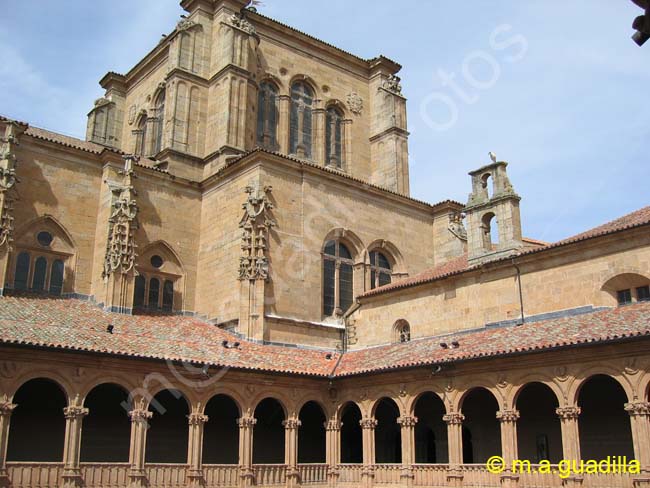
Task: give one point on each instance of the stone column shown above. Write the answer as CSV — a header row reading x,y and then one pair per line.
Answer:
x,y
283,125
454,421
368,426
195,449
246,424
640,423
291,426
74,415
139,425
333,450
570,439
408,448
6,407
509,449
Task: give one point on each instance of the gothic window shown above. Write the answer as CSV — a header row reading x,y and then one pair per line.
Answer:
x,y
401,331
56,277
22,271
334,137
302,97
337,278
159,117
267,116
380,270
154,292
168,296
40,272
141,136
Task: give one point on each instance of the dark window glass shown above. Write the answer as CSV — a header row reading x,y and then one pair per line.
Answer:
x,y
40,271
138,294
267,116
344,252
56,277
156,261
405,333
141,136
643,293
345,286
384,279
333,137
330,248
22,271
158,123
154,292
329,270
300,124
168,295
624,296
381,270
44,238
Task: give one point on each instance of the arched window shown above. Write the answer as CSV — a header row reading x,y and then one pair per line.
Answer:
x,y
302,97
139,293
154,292
141,136
159,114
401,331
490,228
56,277
337,278
334,137
267,116
22,271
40,273
380,270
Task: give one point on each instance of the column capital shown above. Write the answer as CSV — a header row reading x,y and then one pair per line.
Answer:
x,y
75,411
291,424
638,409
246,422
6,407
407,421
568,413
333,425
453,418
140,415
368,423
508,415
197,418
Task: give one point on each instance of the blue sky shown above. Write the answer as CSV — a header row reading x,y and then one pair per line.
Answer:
x,y
555,87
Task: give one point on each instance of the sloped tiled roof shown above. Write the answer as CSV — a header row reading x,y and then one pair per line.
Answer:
x,y
620,323
460,264
75,325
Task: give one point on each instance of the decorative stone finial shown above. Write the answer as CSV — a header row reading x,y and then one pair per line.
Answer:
x,y
255,225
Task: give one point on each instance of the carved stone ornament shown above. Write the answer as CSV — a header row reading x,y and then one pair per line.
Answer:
x,y
185,24
453,418
8,369
638,409
197,418
255,225
508,415
6,407
100,102
333,425
247,422
568,413
407,421
241,22
120,248
291,424
368,423
392,84
355,103
456,226
140,415
133,110
8,180
75,411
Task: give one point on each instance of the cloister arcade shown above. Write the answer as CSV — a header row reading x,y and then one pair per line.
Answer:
x,y
108,437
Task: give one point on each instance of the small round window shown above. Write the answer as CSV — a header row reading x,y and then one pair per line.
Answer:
x,y
156,261
44,238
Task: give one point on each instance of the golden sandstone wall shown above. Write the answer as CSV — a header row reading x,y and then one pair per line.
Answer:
x,y
559,279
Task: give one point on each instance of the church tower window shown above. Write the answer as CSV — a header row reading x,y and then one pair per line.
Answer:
x,y
380,270
302,97
337,279
267,116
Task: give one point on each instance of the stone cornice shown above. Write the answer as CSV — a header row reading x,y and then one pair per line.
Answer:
x,y
389,131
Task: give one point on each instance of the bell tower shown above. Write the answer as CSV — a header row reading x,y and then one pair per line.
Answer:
x,y
493,219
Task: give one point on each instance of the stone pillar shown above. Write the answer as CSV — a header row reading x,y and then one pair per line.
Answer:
x,y
246,424
139,425
454,421
195,449
408,448
333,450
283,125
6,407
368,426
74,415
640,423
509,449
291,426
570,439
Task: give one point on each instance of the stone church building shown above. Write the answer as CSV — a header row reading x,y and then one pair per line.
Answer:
x,y
227,284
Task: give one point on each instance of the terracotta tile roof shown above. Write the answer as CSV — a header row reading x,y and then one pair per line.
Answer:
x,y
460,265
616,324
77,325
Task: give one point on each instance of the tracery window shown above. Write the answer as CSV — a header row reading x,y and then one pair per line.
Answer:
x,y
47,275
302,97
158,123
380,270
337,278
153,293
141,136
401,331
334,137
267,116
